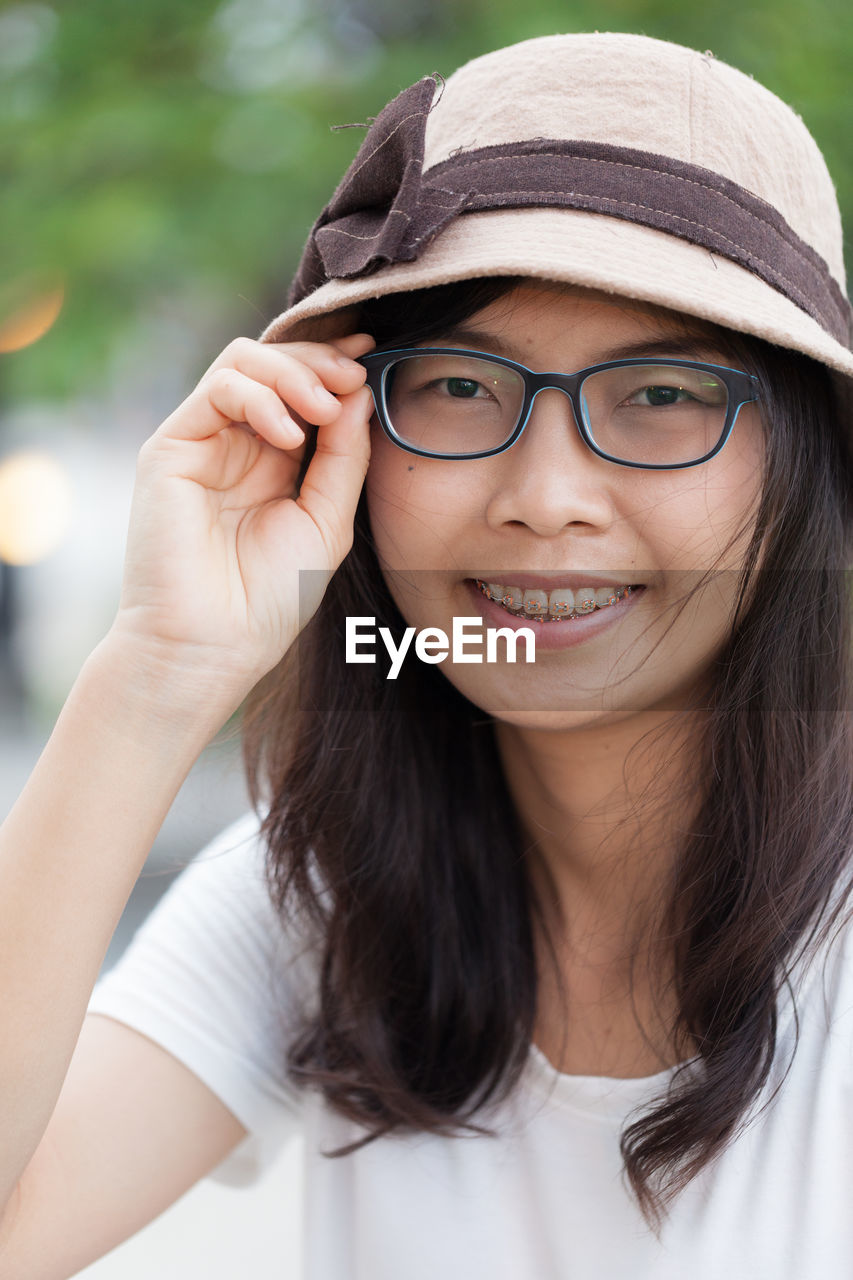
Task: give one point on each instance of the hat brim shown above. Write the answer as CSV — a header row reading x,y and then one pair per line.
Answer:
x,y
577,247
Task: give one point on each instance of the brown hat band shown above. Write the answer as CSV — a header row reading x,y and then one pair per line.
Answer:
x,y
386,211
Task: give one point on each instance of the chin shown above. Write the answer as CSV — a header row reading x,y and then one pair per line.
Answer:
x,y
536,704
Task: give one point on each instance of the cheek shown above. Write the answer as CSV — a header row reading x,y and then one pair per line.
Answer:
x,y
708,519
417,506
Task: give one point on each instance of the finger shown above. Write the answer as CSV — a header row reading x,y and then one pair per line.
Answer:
x,y
287,366
351,345
335,475
294,380
229,396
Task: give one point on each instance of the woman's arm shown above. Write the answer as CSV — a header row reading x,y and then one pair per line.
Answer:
x,y
132,1131
70,853
210,602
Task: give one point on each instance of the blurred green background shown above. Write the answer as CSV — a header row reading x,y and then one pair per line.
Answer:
x,y
163,160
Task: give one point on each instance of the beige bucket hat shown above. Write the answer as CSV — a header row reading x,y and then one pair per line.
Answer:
x,y
618,162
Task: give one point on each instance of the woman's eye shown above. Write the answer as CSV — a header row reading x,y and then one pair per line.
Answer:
x,y
462,388
659,396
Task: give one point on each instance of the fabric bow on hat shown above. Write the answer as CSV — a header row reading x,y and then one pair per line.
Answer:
x,y
383,211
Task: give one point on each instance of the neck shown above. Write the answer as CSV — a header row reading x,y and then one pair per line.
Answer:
x,y
603,810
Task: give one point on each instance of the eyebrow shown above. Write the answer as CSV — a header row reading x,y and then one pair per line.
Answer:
x,y
686,345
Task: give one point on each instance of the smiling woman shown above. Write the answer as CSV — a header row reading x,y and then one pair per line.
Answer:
x,y
549,961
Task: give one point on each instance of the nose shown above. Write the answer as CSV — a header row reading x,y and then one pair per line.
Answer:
x,y
550,479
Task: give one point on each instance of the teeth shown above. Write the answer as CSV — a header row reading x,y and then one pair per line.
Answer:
x,y
511,597
535,603
559,603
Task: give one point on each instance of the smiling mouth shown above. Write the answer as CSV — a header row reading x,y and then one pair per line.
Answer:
x,y
559,605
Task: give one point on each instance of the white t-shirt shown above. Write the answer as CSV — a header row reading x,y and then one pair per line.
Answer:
x,y
215,978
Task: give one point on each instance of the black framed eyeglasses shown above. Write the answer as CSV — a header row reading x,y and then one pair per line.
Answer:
x,y
447,402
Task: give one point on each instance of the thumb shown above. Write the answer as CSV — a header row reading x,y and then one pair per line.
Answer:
x,y
333,481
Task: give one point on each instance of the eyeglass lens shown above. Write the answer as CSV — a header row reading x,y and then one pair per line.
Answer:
x,y
651,413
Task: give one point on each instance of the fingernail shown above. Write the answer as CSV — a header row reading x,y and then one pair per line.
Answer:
x,y
291,428
325,397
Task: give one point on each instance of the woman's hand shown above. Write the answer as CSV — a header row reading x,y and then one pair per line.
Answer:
x,y
218,533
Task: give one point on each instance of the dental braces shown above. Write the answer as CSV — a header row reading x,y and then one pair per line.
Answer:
x,y
565,613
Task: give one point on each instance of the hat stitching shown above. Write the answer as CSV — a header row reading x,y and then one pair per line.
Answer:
x,y
833,313
784,229
629,204
329,230
350,235
413,115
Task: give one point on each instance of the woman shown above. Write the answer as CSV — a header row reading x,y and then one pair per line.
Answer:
x,y
526,926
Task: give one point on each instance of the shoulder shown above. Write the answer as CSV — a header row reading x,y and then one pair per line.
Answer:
x,y
217,926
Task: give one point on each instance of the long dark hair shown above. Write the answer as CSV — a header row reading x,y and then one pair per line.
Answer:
x,y
390,829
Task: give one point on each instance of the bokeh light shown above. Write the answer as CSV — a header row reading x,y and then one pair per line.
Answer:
x,y
32,318
35,506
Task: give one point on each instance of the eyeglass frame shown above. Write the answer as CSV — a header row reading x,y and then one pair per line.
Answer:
x,y
736,382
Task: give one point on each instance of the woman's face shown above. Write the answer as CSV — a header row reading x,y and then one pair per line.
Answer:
x,y
548,513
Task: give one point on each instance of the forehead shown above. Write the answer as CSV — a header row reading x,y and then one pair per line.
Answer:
x,y
574,303
534,316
